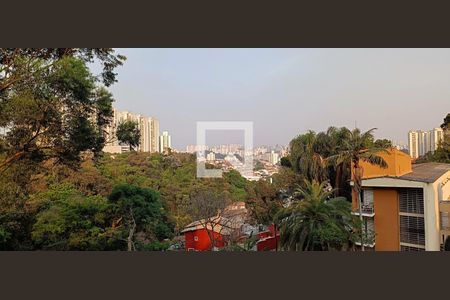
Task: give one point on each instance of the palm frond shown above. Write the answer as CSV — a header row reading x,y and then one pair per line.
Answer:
x,y
375,159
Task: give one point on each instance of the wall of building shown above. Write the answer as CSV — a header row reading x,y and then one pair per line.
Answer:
x,y
387,228
203,242
399,163
432,193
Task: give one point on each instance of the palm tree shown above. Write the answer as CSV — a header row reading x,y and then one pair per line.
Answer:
x,y
317,221
306,159
359,147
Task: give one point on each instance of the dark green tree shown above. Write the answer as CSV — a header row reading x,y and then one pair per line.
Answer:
x,y
68,220
285,162
383,143
140,214
128,133
359,148
316,222
50,110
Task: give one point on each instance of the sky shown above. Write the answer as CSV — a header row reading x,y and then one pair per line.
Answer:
x,y
285,92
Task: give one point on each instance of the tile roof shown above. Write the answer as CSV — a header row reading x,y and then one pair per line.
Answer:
x,y
426,172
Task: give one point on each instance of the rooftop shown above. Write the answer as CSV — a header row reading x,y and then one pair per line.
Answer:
x,y
426,172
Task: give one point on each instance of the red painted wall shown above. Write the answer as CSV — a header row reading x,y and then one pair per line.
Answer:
x,y
203,242
268,241
267,244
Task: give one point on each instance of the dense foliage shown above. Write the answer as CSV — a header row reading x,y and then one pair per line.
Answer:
x,y
316,221
327,156
131,201
128,133
50,104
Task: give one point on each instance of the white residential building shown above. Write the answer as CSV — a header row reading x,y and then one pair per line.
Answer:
x,y
413,143
274,158
421,142
211,156
164,142
436,137
148,126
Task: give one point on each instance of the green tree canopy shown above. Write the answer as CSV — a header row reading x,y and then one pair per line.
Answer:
x,y
128,133
68,220
50,106
316,222
140,214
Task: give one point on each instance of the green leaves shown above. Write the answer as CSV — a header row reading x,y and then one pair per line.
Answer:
x,y
128,133
67,220
50,104
316,221
142,212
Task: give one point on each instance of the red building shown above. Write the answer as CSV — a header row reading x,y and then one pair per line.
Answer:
x,y
268,240
227,226
197,234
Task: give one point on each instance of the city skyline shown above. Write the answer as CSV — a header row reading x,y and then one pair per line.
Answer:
x,y
311,89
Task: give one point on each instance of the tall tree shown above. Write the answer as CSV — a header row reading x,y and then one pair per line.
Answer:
x,y
306,159
128,133
19,66
141,215
446,124
383,143
50,107
359,147
316,222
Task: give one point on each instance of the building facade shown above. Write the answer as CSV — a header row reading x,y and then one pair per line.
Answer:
x,y
436,137
148,126
421,142
403,206
165,142
413,143
274,158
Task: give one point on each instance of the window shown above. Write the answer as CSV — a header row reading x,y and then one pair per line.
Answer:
x,y
412,230
412,224
367,197
411,201
409,248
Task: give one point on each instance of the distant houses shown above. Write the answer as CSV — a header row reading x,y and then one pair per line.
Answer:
x,y
229,227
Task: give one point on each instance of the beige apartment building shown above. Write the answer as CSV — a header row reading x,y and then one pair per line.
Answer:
x,y
405,207
148,126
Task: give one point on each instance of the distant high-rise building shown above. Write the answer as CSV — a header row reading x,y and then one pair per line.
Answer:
x,y
148,127
413,143
211,156
436,137
274,157
164,142
421,142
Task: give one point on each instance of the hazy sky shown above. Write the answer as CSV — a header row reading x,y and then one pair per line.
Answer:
x,y
286,91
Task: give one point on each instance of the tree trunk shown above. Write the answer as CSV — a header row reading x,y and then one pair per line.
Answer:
x,y
5,164
338,179
357,188
131,233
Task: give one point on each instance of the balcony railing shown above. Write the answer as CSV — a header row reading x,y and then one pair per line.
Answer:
x,y
368,239
366,209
